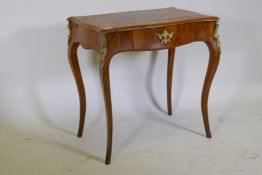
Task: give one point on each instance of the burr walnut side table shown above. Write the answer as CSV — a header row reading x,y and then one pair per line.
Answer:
x,y
145,30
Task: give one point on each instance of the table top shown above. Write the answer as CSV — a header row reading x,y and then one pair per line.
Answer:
x,y
139,19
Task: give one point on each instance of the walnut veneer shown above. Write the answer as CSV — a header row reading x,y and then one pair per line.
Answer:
x,y
144,30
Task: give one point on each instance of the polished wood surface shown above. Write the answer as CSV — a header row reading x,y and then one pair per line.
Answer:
x,y
144,30
73,60
139,19
170,64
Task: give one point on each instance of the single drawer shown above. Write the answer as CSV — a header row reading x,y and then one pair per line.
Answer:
x,y
162,37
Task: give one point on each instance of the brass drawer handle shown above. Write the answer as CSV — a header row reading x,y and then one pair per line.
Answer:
x,y
165,37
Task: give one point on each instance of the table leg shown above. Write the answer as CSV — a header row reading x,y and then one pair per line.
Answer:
x,y
214,57
73,60
105,80
171,56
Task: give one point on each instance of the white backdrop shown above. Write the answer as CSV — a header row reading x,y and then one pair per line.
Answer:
x,y
38,95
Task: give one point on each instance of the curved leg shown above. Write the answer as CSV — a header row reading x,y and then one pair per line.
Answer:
x,y
211,70
73,60
105,80
171,55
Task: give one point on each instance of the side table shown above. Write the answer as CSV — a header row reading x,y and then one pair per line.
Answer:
x,y
144,30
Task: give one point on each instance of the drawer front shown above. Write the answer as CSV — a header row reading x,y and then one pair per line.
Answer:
x,y
162,37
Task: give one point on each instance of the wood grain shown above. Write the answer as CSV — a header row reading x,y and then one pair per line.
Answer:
x,y
110,34
139,19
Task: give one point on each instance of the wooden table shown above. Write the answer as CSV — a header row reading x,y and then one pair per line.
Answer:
x,y
145,30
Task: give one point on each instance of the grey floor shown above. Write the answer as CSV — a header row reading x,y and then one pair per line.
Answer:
x,y
145,142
